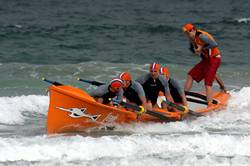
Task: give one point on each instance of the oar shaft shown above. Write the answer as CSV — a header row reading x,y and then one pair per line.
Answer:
x,y
178,107
203,97
181,108
52,82
196,101
96,83
149,112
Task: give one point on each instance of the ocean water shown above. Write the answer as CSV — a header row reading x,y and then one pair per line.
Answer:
x,y
95,40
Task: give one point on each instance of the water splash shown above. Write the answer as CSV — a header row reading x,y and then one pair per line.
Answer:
x,y
12,109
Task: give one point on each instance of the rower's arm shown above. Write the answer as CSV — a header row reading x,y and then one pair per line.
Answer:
x,y
140,91
99,91
209,42
179,89
167,91
169,98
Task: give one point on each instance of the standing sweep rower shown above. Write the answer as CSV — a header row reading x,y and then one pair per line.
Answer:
x,y
204,45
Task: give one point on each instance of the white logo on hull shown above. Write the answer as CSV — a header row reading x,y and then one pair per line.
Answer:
x,y
79,112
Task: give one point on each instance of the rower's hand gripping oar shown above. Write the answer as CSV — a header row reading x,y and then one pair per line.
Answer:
x,y
178,107
141,110
184,109
90,82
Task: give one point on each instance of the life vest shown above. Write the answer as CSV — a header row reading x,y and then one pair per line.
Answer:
x,y
211,52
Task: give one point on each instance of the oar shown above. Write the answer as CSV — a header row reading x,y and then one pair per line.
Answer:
x,y
181,108
141,110
203,97
51,82
91,82
196,101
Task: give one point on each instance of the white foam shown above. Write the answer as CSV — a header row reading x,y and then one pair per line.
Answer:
x,y
243,20
11,108
233,120
169,147
241,99
220,138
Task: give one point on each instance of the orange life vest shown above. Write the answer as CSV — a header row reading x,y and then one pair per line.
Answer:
x,y
211,52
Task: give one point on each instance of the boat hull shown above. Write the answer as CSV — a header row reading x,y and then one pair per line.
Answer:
x,y
71,109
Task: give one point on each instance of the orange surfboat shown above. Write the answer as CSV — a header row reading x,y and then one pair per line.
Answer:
x,y
72,109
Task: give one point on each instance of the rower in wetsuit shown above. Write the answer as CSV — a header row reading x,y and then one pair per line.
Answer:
x,y
133,90
176,91
153,83
104,93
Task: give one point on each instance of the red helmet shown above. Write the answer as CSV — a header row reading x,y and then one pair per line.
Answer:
x,y
154,66
188,27
164,71
125,76
116,83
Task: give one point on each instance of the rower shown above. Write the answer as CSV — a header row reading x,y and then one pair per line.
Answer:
x,y
105,92
176,91
133,90
153,83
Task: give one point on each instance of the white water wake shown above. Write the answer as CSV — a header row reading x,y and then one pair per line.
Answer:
x,y
170,149
220,138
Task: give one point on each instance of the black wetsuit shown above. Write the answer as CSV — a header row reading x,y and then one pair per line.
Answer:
x,y
153,87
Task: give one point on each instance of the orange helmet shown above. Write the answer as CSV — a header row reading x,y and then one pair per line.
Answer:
x,y
188,27
125,76
116,83
154,66
164,71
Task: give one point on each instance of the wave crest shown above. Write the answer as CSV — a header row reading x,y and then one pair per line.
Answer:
x,y
13,109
